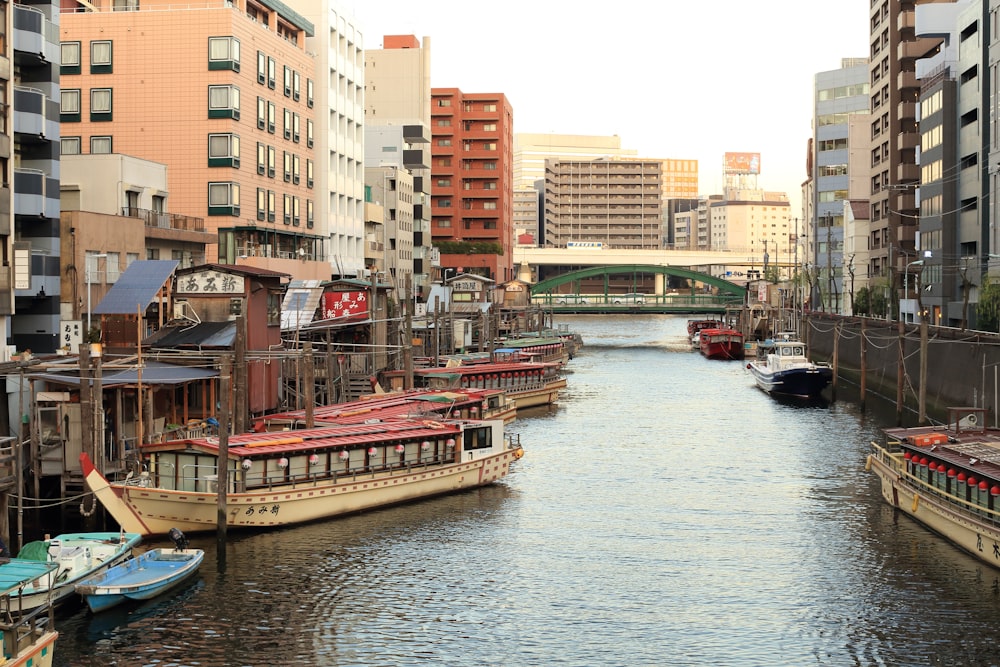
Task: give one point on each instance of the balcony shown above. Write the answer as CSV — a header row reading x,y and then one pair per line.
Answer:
x,y
35,194
906,111
907,140
906,21
165,220
36,39
907,80
918,48
35,116
907,173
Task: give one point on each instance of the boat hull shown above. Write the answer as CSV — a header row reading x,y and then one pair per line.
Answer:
x,y
961,528
546,394
39,654
153,511
803,382
146,576
106,551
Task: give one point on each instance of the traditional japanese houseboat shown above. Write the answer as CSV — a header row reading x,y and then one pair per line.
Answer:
x,y
280,479
527,384
947,477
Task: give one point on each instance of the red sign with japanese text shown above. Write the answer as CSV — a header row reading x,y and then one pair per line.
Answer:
x,y
350,305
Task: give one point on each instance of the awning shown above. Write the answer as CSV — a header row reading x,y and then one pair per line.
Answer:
x,y
153,373
136,287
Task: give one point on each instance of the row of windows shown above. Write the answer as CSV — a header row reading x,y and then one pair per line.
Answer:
x,y
291,211
291,81
931,138
470,146
74,145
469,106
100,105
841,92
100,57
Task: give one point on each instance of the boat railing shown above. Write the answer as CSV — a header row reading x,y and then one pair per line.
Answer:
x,y
968,508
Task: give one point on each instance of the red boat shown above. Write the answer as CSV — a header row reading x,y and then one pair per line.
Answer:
x,y
721,343
694,326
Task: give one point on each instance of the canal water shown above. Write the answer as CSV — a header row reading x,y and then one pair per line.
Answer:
x,y
667,512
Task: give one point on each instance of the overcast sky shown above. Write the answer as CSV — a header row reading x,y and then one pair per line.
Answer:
x,y
674,79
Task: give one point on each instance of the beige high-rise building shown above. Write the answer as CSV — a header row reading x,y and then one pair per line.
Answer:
x,y
756,224
614,202
532,150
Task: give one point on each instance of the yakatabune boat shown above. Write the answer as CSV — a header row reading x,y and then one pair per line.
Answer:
x,y
947,478
278,479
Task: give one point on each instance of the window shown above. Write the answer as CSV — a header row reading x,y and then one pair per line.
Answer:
x,y
152,253
100,57
273,309
296,94
490,205
69,105
270,205
69,145
272,112
444,203
131,257
309,173
309,93
288,81
309,132
444,182
444,103
489,146
295,169
261,204
287,209
296,219
69,58
125,5
261,113
490,127
444,142
224,150
223,198
271,158
159,204
489,107
100,104
295,127
261,158
310,216
287,161
224,102
261,68
224,53
114,270
100,145
287,124
271,67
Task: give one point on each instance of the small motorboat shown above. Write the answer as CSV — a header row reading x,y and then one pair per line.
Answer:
x,y
77,555
146,576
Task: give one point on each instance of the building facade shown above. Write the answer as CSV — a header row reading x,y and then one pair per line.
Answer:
x,y
472,192
614,202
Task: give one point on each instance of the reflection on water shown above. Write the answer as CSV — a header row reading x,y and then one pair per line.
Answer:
x,y
666,512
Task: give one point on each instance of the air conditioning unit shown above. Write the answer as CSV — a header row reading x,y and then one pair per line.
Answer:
x,y
364,274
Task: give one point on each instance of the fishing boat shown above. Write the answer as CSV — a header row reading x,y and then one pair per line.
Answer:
x,y
694,326
721,343
783,367
77,556
528,384
280,479
148,575
947,477
27,636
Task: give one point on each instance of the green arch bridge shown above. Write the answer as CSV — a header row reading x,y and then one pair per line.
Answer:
x,y
704,293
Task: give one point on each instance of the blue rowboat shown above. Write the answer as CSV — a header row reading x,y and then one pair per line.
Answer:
x,y
146,576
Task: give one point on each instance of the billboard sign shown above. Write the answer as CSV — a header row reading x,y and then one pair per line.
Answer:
x,y
742,163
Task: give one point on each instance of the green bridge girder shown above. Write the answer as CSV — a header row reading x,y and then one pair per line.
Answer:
x,y
725,287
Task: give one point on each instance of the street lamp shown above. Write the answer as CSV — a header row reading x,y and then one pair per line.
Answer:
x,y
95,257
906,277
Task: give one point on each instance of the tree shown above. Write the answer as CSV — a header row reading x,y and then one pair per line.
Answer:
x,y
988,308
861,302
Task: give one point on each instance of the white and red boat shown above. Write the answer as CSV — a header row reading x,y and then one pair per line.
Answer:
x,y
280,479
721,343
526,383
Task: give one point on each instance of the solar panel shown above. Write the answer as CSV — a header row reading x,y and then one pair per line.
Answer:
x,y
136,287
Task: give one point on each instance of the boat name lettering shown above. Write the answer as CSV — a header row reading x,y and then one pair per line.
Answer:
x,y
263,509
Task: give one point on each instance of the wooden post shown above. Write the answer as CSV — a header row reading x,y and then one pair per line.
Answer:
x,y
331,388
864,364
836,359
241,408
86,407
222,469
310,383
97,396
922,408
408,336
900,370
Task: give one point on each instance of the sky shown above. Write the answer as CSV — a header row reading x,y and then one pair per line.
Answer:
x,y
673,79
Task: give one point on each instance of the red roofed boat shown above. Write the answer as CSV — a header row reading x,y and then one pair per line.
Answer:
x,y
280,479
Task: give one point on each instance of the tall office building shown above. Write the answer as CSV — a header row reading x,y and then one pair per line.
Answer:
x,y
837,96
29,158
338,46
397,134
472,192
224,96
895,173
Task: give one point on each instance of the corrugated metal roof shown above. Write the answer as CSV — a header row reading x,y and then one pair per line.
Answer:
x,y
136,287
301,300
206,334
153,373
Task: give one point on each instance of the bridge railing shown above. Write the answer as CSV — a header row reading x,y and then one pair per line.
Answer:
x,y
681,300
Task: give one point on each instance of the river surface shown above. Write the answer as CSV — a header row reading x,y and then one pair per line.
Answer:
x,y
666,512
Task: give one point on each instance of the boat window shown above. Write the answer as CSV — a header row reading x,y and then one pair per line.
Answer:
x,y
478,438
800,352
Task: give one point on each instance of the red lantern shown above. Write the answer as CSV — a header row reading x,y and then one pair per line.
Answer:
x,y
951,472
983,486
906,456
313,459
995,491
923,460
971,481
400,449
282,463
344,455
425,445
932,466
371,451
961,476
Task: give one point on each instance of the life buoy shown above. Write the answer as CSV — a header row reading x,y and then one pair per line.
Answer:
x,y
433,424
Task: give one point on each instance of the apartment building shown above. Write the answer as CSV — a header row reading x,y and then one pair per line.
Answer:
x,y
397,135
614,202
223,95
472,191
29,158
